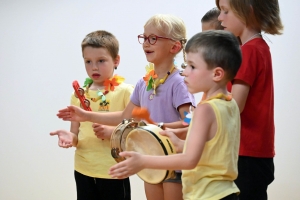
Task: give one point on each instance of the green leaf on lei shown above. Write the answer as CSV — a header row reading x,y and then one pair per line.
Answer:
x,y
150,84
87,82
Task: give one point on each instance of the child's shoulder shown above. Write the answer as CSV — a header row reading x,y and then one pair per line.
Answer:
x,y
204,111
254,46
125,87
175,78
217,103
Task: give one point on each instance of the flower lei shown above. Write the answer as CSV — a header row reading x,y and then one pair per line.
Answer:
x,y
109,84
150,76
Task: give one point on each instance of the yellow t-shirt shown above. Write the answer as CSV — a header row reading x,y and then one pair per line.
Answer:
x,y
92,155
213,177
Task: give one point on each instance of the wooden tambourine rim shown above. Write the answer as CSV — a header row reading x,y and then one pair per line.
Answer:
x,y
115,149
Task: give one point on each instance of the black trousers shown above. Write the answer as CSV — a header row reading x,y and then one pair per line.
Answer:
x,y
89,188
231,197
254,176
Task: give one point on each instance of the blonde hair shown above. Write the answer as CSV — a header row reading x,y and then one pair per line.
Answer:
x,y
171,26
261,15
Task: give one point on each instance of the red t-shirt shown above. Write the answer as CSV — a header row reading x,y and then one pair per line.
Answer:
x,y
257,118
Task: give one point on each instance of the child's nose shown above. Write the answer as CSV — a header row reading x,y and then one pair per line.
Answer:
x,y
95,67
146,43
220,17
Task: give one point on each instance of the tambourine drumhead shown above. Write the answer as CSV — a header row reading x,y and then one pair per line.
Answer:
x,y
147,140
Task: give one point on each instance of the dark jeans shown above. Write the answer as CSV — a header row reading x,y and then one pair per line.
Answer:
x,y
231,197
89,188
254,176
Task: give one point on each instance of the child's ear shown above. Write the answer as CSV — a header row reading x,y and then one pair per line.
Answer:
x,y
176,47
117,61
219,74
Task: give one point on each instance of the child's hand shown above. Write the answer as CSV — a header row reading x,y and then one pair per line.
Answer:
x,y
65,138
178,143
128,167
102,131
72,113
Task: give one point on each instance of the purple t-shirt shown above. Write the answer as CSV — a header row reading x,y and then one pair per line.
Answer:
x,y
169,96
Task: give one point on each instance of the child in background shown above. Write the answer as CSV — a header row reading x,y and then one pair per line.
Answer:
x,y
162,91
210,152
210,20
253,91
100,50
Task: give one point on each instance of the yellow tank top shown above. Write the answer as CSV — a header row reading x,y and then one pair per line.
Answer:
x,y
213,177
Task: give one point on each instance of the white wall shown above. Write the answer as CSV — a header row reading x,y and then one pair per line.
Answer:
x,y
40,56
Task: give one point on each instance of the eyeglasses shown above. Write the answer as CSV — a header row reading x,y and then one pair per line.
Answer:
x,y
152,39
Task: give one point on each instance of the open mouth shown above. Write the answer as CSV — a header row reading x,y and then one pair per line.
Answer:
x,y
148,52
96,76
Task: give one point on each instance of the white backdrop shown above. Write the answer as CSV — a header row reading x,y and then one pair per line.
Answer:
x,y
40,56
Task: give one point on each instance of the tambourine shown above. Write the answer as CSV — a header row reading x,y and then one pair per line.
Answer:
x,y
118,138
145,139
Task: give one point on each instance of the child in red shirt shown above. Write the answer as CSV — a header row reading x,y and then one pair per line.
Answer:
x,y
253,91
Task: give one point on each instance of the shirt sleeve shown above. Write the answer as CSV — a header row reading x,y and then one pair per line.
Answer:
x,y
181,95
135,96
248,69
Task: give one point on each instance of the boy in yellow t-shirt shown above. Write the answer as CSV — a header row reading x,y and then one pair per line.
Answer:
x,y
106,93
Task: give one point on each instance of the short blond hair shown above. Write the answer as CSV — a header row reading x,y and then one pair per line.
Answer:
x,y
172,26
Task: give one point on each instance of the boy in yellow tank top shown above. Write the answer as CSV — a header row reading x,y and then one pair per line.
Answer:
x,y
106,92
210,153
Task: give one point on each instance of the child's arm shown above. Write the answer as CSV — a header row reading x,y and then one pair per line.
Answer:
x,y
203,129
179,132
179,124
73,113
75,130
240,91
66,138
